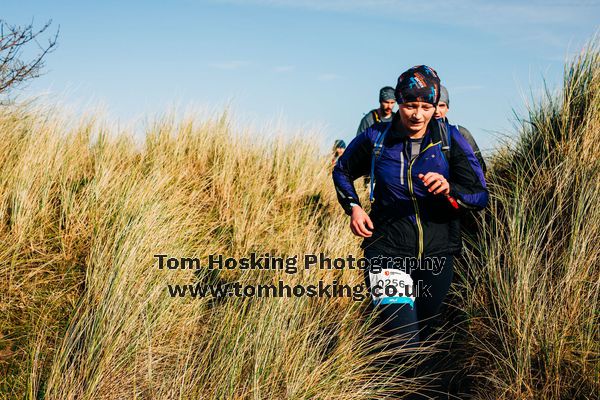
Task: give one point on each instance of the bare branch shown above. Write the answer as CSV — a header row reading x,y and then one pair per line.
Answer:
x,y
14,69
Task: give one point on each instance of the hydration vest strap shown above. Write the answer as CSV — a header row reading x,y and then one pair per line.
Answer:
x,y
376,116
377,147
444,137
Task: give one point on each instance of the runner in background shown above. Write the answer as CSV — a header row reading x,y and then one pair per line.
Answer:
x,y
338,149
441,111
385,112
387,101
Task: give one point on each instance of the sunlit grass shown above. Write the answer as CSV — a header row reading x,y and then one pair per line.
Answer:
x,y
538,286
85,312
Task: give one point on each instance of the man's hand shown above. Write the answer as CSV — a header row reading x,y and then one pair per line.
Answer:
x,y
435,183
360,223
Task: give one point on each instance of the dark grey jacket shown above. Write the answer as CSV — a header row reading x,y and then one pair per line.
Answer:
x,y
372,117
467,135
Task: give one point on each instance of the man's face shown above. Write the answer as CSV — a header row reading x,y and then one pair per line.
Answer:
x,y
387,106
442,110
339,151
415,115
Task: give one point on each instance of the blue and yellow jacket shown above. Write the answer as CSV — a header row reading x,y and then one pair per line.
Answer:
x,y
407,219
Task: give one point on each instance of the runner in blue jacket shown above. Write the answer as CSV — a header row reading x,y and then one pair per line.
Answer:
x,y
420,190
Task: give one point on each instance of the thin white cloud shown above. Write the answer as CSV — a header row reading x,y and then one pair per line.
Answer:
x,y
328,77
541,8
541,18
230,65
284,68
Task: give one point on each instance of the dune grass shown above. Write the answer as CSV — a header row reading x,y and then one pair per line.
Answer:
x,y
534,301
85,312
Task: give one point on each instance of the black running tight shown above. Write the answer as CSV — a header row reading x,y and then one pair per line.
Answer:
x,y
415,322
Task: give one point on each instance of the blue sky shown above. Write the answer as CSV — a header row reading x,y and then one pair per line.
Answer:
x,y
310,62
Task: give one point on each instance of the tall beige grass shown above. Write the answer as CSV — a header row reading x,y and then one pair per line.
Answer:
x,y
85,313
534,301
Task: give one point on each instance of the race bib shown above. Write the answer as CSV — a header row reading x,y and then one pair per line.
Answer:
x,y
390,286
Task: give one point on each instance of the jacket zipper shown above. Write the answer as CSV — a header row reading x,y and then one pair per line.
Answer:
x,y
414,199
402,167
